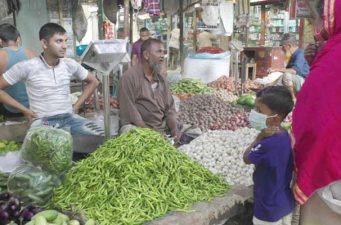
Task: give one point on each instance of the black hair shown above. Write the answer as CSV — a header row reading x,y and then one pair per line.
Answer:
x,y
277,98
144,29
8,32
289,38
148,43
50,29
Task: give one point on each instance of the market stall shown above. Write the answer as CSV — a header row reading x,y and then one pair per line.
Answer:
x,y
260,29
141,177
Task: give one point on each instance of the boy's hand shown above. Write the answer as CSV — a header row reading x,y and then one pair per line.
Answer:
x,y
267,132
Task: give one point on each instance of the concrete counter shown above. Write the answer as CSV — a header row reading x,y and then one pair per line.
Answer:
x,y
215,212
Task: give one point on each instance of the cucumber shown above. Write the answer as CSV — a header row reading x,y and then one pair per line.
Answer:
x,y
30,223
74,222
90,222
49,215
64,217
39,220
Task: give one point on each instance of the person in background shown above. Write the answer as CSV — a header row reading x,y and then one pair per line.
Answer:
x,y
271,153
316,123
297,68
174,46
205,39
144,96
47,80
136,55
10,54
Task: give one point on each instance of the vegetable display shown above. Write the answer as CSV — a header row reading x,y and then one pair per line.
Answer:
x,y
225,96
7,146
53,217
49,148
3,181
32,184
222,153
247,100
212,50
208,111
136,178
190,86
12,210
228,84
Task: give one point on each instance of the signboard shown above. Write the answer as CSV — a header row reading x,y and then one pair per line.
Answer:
x,y
302,9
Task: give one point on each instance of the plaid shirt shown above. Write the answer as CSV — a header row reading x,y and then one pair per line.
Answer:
x,y
152,7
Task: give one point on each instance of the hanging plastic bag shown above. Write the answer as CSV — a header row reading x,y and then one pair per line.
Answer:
x,y
32,184
49,148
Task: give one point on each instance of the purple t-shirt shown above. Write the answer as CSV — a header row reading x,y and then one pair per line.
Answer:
x,y
137,49
273,198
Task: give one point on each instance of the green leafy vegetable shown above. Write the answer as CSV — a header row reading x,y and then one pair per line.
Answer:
x,y
190,86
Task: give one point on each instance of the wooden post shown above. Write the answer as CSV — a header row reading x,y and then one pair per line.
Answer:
x,y
195,30
263,25
60,12
181,39
131,24
126,18
100,19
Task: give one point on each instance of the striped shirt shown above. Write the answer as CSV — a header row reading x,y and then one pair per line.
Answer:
x,y
152,7
48,87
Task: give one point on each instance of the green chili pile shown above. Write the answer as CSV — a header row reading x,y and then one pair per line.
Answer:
x,y
136,178
190,86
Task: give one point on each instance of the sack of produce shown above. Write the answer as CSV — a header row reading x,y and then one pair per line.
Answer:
x,y
49,148
32,184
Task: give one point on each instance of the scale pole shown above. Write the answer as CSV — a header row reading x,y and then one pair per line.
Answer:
x,y
106,99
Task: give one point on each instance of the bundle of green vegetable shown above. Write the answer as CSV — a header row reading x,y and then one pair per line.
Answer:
x,y
190,86
7,146
136,178
49,148
32,184
3,181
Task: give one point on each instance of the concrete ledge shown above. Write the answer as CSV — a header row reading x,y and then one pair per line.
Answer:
x,y
215,212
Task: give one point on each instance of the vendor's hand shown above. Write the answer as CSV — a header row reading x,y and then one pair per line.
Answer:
x,y
29,114
76,109
176,136
267,132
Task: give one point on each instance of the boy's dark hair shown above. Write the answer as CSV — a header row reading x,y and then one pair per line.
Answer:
x,y
277,98
147,43
50,29
8,32
144,29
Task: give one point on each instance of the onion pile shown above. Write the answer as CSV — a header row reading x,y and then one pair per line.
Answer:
x,y
226,96
222,153
228,84
209,111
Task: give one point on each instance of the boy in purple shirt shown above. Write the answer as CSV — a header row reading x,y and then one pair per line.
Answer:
x,y
271,154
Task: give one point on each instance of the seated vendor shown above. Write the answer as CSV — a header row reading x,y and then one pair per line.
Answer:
x,y
144,96
297,68
10,54
47,80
